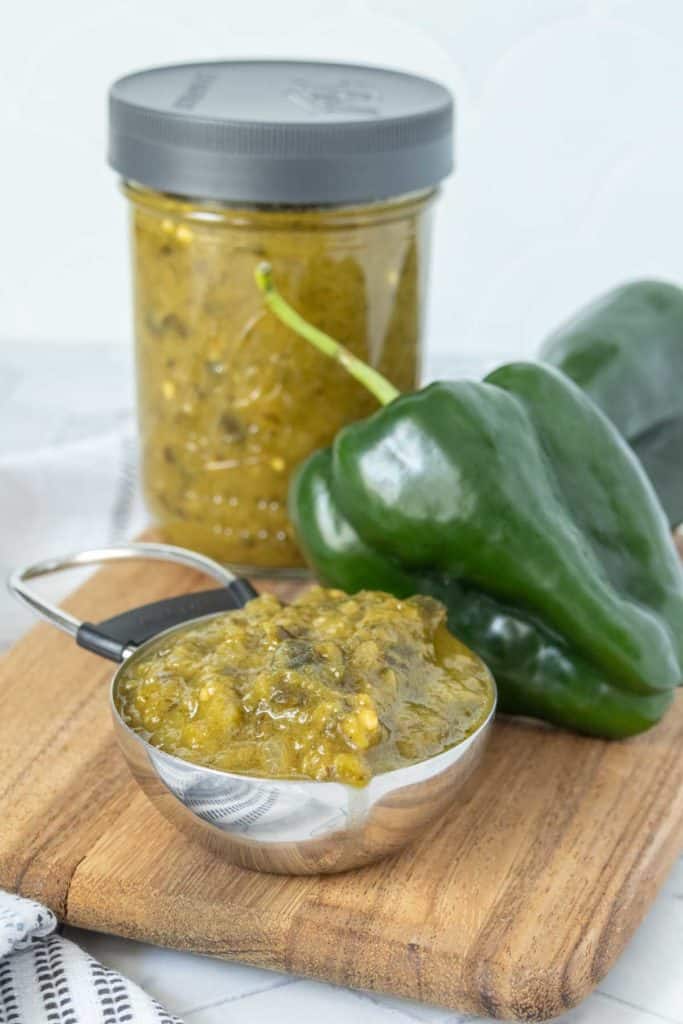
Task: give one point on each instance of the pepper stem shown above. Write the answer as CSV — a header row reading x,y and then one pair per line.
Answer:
x,y
383,390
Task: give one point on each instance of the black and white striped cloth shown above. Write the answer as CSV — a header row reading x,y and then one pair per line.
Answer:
x,y
45,979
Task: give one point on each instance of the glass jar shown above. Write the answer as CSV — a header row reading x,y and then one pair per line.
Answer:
x,y
230,401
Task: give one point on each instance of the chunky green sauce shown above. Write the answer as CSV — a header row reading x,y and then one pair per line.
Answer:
x,y
330,687
230,401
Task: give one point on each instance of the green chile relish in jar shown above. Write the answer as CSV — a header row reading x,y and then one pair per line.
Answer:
x,y
327,171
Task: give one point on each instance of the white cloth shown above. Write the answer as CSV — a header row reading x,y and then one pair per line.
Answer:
x,y
68,474
45,979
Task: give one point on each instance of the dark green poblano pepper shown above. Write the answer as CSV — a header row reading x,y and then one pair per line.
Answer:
x,y
517,503
625,350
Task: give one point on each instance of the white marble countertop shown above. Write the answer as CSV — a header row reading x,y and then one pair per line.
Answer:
x,y
55,398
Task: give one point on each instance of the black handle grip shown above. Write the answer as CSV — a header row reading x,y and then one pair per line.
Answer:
x,y
114,636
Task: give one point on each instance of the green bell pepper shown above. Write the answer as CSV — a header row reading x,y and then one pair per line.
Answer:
x,y
517,503
626,351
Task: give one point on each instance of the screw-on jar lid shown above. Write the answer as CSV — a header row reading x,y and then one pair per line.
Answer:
x,y
286,132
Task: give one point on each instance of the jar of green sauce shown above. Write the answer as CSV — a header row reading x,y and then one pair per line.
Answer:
x,y
326,171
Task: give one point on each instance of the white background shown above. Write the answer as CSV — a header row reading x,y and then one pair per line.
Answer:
x,y
569,148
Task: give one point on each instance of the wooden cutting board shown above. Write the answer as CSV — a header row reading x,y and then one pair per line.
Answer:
x,y
513,907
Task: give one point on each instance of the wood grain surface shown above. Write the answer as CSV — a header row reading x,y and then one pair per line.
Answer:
x,y
513,907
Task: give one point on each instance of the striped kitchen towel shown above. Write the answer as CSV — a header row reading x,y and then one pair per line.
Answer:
x,y
45,979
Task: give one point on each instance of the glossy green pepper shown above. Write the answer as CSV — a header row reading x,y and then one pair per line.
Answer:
x,y
517,502
625,350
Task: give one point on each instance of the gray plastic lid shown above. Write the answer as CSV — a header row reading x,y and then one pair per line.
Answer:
x,y
285,132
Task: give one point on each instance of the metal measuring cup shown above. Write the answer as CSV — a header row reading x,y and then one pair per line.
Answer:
x,y
274,825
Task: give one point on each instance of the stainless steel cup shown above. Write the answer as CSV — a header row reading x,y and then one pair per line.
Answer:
x,y
274,825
